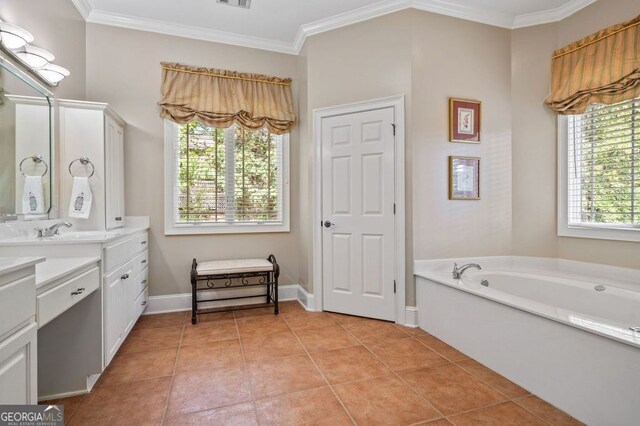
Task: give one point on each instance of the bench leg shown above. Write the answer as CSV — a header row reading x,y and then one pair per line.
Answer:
x,y
194,292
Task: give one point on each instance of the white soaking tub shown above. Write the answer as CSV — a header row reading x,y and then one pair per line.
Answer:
x,y
564,330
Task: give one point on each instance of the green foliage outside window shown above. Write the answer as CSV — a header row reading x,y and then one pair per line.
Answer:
x,y
208,192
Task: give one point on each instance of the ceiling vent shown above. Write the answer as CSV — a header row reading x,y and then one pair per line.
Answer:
x,y
239,3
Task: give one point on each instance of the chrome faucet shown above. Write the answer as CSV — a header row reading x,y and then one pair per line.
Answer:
x,y
457,272
52,230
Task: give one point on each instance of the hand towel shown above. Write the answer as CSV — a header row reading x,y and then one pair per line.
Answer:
x,y
33,195
80,203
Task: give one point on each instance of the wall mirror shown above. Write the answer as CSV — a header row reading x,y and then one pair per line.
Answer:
x,y
26,111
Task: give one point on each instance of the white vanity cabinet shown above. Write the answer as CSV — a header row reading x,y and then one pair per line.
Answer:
x,y
125,285
18,332
93,130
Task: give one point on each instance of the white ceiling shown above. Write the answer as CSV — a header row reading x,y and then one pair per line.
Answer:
x,y
283,25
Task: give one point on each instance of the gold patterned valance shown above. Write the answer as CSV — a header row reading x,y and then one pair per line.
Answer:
x,y
220,98
601,68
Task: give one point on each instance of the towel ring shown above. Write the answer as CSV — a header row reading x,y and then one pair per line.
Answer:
x,y
84,161
36,159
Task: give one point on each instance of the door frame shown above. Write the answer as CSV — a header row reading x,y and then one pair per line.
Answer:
x,y
397,103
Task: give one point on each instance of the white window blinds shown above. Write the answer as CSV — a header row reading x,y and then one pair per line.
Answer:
x,y
227,176
604,165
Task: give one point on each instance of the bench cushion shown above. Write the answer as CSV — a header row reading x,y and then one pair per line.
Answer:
x,y
239,266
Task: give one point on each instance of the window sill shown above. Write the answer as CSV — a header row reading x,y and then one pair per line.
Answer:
x,y
207,229
600,232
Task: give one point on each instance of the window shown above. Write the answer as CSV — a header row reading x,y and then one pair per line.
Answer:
x,y
225,180
600,172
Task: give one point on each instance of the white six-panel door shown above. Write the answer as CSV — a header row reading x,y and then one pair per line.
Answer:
x,y
358,256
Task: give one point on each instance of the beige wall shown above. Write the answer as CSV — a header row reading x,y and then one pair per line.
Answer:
x,y
123,69
534,139
58,27
428,58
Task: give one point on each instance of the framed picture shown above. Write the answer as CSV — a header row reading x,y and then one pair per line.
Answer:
x,y
464,178
464,120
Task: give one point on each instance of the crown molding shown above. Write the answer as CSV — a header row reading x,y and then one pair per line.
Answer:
x,y
188,31
551,15
83,7
384,7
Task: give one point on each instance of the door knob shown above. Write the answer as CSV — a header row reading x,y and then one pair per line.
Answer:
x,y
328,224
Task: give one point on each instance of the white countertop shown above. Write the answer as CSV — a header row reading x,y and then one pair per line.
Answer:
x,y
72,237
11,264
56,268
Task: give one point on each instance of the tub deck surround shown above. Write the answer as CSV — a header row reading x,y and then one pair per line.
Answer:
x,y
543,324
556,289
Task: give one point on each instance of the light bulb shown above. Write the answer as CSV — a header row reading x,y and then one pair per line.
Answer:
x,y
33,56
53,73
14,37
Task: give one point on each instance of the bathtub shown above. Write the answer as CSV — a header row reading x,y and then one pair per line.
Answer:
x,y
561,329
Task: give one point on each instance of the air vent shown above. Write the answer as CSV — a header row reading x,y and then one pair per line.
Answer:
x,y
238,3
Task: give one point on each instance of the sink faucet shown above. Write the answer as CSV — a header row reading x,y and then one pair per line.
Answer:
x,y
457,272
52,230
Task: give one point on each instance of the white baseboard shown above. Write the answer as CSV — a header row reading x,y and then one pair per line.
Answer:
x,y
411,317
182,301
306,299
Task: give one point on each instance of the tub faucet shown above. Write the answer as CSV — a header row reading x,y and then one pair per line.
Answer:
x,y
53,229
457,272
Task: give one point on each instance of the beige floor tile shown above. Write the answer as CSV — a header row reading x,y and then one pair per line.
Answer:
x,y
406,353
303,320
451,389
312,407
225,353
234,415
208,388
449,352
271,345
133,366
384,401
493,379
283,375
505,414
261,325
152,338
327,338
211,331
349,364
172,319
546,411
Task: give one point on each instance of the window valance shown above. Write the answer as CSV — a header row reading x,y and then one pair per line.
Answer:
x,y
601,68
220,98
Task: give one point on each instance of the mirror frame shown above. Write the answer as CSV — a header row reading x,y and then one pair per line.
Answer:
x,y
17,72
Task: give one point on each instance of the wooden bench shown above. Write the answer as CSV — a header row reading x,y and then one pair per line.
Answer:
x,y
229,274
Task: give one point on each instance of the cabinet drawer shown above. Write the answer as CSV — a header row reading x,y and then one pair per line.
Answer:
x,y
16,303
142,241
118,253
59,299
141,281
141,303
140,262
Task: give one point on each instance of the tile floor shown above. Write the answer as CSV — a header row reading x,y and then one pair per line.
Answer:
x,y
250,367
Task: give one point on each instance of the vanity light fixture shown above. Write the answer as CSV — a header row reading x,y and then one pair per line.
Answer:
x,y
14,37
33,56
52,73
16,41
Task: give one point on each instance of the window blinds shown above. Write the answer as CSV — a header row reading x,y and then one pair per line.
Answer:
x,y
228,175
604,165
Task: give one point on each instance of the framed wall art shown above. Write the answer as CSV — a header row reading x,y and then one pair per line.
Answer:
x,y
464,120
464,178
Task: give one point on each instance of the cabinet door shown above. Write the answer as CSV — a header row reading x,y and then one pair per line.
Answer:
x,y
114,313
18,367
129,283
114,173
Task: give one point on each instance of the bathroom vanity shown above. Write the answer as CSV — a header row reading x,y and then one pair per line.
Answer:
x,y
71,289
